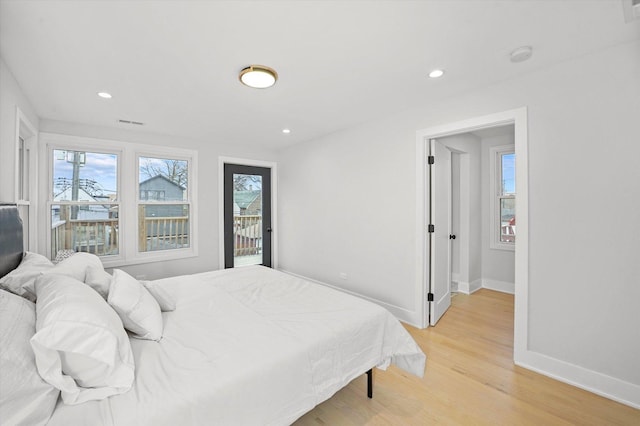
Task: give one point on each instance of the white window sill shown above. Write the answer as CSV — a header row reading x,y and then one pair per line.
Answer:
x,y
502,246
150,258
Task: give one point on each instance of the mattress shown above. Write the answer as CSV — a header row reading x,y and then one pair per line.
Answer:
x,y
250,346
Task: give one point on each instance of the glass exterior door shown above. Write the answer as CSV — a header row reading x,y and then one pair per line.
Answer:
x,y
247,215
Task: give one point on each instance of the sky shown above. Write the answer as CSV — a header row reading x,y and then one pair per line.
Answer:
x,y
509,173
101,168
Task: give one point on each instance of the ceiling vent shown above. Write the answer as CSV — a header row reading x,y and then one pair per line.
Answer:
x,y
631,10
137,123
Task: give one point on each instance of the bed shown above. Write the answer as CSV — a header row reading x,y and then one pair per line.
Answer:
x,y
244,346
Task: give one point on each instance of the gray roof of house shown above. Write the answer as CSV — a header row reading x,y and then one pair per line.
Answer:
x,y
165,178
244,198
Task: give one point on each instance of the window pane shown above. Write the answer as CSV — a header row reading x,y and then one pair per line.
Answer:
x,y
94,228
508,220
247,219
84,176
162,179
163,226
508,167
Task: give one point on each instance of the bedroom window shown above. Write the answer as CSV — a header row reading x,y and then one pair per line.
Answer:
x,y
126,202
504,203
163,204
85,202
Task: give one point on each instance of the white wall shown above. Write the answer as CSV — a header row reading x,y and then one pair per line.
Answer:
x,y
344,208
11,96
347,204
208,153
498,266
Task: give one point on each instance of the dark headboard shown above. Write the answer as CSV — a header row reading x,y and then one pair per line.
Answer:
x,y
11,249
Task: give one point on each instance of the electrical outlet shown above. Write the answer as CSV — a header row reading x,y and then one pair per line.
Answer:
x,y
343,275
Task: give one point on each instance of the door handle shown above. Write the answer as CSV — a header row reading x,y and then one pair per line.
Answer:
x,y
452,237
268,229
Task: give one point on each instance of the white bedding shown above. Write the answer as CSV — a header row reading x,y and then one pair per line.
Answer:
x,y
250,346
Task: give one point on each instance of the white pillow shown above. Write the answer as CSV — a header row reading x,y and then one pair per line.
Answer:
x,y
99,280
164,299
80,345
25,399
76,265
138,310
20,280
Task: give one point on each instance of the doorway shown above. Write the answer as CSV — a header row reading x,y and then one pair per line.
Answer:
x,y
472,198
247,215
517,118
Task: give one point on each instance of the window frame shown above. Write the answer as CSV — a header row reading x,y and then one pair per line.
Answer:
x,y
495,179
128,195
26,195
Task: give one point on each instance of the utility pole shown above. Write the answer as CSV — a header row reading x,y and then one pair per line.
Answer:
x,y
75,183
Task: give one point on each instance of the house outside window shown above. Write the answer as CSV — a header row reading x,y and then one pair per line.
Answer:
x,y
150,194
503,188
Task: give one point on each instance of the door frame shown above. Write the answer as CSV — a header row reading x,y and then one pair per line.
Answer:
x,y
274,210
517,117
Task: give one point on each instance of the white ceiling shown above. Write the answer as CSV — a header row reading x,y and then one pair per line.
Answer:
x,y
174,65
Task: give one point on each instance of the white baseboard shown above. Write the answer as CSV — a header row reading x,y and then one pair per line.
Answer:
x,y
468,288
496,285
463,287
455,280
410,317
475,285
609,387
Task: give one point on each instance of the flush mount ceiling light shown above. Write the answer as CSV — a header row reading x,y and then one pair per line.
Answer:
x,y
521,54
436,74
286,131
258,76
105,95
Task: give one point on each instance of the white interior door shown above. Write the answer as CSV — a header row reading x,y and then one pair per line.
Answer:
x,y
440,218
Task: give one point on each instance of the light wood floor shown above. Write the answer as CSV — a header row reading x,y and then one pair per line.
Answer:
x,y
470,379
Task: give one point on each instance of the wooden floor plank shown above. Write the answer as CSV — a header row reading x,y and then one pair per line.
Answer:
x,y
470,379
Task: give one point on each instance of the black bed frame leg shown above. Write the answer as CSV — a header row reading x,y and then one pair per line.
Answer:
x,y
370,383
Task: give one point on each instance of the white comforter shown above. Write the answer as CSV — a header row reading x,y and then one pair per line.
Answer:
x,y
250,346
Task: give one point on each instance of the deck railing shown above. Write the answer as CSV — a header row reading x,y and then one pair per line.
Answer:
x,y
162,233
247,231
100,236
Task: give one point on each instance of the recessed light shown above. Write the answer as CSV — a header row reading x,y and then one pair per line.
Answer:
x,y
521,54
436,73
286,131
105,95
258,76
